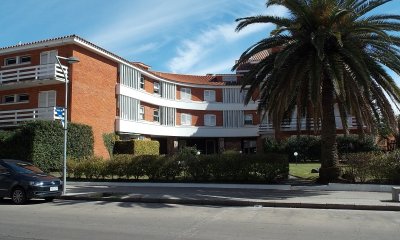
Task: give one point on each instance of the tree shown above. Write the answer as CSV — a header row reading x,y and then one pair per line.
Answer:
x,y
326,53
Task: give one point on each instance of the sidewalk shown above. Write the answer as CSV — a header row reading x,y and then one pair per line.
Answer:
x,y
234,195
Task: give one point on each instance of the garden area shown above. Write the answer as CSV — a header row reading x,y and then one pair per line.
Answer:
x,y
361,160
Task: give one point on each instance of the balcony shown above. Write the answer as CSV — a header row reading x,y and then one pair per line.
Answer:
x,y
13,118
31,76
291,125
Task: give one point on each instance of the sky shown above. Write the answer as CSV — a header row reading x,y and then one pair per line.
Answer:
x,y
180,36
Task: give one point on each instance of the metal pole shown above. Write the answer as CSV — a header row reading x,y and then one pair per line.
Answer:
x,y
65,129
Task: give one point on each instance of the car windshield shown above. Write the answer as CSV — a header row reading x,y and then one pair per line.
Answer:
x,y
21,167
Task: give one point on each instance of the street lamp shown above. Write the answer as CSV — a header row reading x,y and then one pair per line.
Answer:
x,y
70,60
295,155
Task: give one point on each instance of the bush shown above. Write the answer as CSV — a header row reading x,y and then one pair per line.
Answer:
x,y
353,144
373,167
41,142
308,147
224,167
358,166
137,147
109,140
271,145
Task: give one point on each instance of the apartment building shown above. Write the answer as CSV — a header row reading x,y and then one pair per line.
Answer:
x,y
112,94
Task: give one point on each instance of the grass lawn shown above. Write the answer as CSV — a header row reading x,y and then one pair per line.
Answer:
x,y
303,170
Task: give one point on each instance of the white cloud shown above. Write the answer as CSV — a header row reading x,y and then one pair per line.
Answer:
x,y
141,20
209,43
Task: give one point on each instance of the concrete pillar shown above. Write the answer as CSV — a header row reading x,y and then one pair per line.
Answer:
x,y
172,145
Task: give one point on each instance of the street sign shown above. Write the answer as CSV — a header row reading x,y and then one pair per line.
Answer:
x,y
60,113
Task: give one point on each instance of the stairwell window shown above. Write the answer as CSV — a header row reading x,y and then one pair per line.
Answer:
x,y
141,83
186,94
186,119
210,120
248,119
141,113
156,87
209,95
156,115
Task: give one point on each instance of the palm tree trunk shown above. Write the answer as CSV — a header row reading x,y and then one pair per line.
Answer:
x,y
329,155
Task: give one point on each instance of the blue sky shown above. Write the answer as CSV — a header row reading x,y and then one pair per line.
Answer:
x,y
183,36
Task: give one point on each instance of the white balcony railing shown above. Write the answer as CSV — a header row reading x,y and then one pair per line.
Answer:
x,y
14,117
38,72
291,125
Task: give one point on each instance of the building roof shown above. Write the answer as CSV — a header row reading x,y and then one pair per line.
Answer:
x,y
194,79
208,79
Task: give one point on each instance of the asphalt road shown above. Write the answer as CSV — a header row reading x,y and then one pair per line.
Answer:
x,y
109,220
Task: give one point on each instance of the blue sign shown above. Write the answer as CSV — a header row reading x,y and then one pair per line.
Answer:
x,y
60,113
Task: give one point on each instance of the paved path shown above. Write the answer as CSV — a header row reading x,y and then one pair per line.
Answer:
x,y
306,198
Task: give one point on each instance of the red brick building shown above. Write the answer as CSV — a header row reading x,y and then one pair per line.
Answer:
x,y
112,94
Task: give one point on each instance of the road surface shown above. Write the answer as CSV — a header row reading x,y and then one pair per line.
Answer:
x,y
110,220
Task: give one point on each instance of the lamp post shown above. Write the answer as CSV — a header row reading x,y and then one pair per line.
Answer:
x,y
70,60
295,155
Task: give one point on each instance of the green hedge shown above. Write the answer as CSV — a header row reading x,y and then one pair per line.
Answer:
x,y
206,168
41,142
309,147
137,147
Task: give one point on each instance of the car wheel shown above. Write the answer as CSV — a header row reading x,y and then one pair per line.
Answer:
x,y
49,199
18,196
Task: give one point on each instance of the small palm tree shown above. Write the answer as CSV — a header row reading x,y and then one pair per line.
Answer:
x,y
326,53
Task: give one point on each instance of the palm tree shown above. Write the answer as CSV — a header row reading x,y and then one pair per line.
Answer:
x,y
326,53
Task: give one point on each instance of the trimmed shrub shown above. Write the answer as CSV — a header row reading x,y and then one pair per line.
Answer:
x,y
308,147
41,142
137,147
223,167
109,140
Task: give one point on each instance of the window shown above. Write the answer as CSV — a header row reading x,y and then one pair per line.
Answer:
x,y
9,99
209,95
23,98
16,98
10,61
186,93
141,113
141,82
186,119
3,170
248,119
244,94
24,59
156,88
210,120
156,115
17,60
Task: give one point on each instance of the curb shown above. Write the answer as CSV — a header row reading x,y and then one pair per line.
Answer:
x,y
329,187
234,203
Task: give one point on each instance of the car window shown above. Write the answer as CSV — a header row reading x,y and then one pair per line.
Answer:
x,y
21,167
3,169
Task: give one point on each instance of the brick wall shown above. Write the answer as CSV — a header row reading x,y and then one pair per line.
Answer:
x,y
93,99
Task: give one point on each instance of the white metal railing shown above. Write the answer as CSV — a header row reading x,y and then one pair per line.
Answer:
x,y
38,72
291,125
14,117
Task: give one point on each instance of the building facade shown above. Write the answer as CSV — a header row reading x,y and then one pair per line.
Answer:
x,y
112,94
